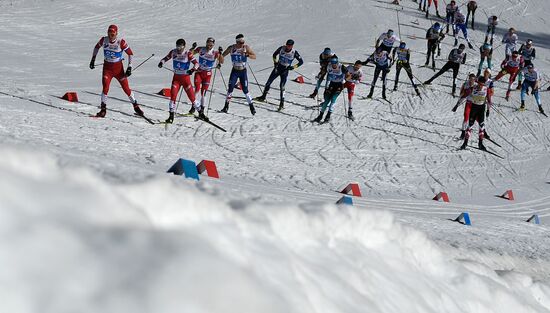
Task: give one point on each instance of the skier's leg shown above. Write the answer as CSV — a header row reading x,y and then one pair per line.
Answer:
x,y
231,85
282,84
174,90
397,72
243,78
456,68
189,90
444,69
274,74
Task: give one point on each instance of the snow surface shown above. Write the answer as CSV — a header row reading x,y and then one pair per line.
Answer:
x,y
89,221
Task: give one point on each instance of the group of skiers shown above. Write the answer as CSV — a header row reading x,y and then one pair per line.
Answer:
x,y
476,91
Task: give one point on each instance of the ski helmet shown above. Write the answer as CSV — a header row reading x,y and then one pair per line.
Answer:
x,y
481,80
529,42
113,28
290,42
437,26
402,45
180,43
327,51
210,39
239,38
471,75
390,32
334,60
461,46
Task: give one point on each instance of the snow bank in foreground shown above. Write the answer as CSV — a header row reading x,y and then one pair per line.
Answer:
x,y
72,242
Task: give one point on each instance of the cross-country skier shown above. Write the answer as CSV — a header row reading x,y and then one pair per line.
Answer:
x,y
240,52
184,64
478,98
355,76
324,60
450,17
460,25
492,23
511,65
282,62
401,56
434,35
464,93
486,52
436,8
113,47
386,41
511,40
456,57
472,7
208,56
528,53
382,59
336,74
532,80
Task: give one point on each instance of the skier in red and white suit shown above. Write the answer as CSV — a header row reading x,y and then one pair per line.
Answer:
x,y
207,61
511,65
113,48
181,64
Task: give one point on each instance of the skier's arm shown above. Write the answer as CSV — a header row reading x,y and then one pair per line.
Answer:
x,y
167,57
194,61
533,55
124,46
275,54
227,51
409,56
250,53
393,52
298,57
98,45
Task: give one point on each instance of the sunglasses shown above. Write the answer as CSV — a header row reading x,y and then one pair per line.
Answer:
x,y
240,40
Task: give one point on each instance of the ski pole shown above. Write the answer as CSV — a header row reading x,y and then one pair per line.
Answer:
x,y
263,69
140,64
302,75
211,90
171,70
223,79
251,71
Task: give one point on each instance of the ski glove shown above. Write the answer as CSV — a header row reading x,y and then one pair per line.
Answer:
x,y
191,71
220,49
290,67
92,63
193,46
160,64
128,71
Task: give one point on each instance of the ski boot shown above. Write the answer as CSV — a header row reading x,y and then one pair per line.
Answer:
x,y
202,116
319,118
470,45
313,94
350,115
428,82
395,88
437,13
225,107
281,106
137,109
456,42
462,134
427,13
464,145
481,146
438,52
252,109
485,135
541,110
102,110
170,118
417,91
522,106
260,98
192,110
327,118
384,92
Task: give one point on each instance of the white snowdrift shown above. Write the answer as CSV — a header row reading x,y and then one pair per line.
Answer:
x,y
72,242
